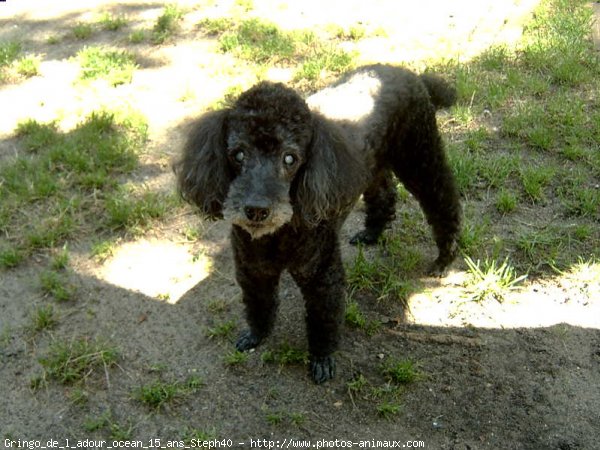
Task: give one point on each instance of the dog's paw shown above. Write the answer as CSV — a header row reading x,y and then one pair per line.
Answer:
x,y
365,237
247,341
438,269
322,368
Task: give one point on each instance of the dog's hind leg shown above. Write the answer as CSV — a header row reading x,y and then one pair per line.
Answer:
x,y
423,168
380,203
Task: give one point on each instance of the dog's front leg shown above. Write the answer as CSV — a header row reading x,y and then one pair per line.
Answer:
x,y
323,288
259,279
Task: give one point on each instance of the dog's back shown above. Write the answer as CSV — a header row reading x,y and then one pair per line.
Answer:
x,y
366,101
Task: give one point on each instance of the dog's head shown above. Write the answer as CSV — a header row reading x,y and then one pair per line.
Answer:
x,y
267,161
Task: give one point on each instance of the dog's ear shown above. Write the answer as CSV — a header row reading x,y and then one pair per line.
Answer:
x,y
203,174
333,175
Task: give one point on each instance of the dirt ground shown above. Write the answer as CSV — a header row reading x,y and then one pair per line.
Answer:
x,y
524,374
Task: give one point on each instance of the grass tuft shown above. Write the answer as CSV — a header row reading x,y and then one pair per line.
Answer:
x,y
75,360
258,41
9,52
57,286
381,277
111,22
400,371
82,31
488,280
117,66
158,394
167,24
43,318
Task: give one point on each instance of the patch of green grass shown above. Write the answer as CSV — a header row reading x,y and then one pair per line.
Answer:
x,y
137,36
275,417
60,260
490,280
380,277
43,318
158,394
465,167
556,43
9,52
37,136
216,26
92,424
540,246
286,355
28,66
354,316
53,40
11,257
222,330
476,141
535,179
106,422
117,66
57,286
102,250
75,360
82,31
356,319
264,43
506,201
354,32
112,22
258,41
78,396
297,418
357,384
217,306
67,180
129,209
400,372
323,60
494,58
495,170
474,234
167,24
580,197
236,358
387,409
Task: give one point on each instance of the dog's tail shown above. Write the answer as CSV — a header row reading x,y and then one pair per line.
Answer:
x,y
442,94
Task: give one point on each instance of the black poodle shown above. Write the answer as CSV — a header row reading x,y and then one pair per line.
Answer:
x,y
286,172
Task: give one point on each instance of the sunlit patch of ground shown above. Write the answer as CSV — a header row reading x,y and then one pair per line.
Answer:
x,y
572,297
157,268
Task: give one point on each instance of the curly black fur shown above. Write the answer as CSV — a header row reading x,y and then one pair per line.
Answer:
x,y
286,172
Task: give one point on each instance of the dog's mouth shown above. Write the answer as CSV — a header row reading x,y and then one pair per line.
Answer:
x,y
262,227
258,218
258,229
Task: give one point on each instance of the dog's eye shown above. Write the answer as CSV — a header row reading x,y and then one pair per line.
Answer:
x,y
239,156
289,159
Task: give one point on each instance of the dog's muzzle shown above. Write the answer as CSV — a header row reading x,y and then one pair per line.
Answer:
x,y
259,218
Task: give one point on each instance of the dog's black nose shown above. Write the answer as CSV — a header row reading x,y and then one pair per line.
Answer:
x,y
257,213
